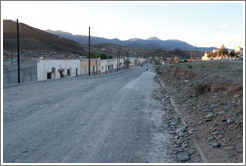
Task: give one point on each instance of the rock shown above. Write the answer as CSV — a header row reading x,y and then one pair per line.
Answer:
x,y
215,133
216,144
224,120
210,138
229,121
191,131
214,106
235,96
175,122
223,103
207,111
181,134
176,137
184,157
226,107
182,129
209,115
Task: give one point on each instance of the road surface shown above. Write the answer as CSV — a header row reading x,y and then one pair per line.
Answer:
x,y
99,119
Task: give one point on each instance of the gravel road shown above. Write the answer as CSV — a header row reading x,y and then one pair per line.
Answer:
x,y
99,119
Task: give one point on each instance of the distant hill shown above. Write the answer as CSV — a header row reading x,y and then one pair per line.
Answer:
x,y
35,39
152,42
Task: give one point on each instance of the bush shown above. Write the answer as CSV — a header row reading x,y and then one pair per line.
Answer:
x,y
158,70
189,66
199,89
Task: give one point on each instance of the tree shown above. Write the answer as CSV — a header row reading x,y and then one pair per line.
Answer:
x,y
232,54
103,55
208,54
223,50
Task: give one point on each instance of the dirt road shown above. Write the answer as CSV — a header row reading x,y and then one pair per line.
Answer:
x,y
107,118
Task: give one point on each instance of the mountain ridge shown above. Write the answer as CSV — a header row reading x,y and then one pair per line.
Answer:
x,y
152,42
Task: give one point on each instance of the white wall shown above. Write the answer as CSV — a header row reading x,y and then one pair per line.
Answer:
x,y
45,66
106,62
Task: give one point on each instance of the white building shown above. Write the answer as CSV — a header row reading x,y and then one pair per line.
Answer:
x,y
109,65
133,61
141,61
55,69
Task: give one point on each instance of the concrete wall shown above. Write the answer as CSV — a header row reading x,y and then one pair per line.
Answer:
x,y
109,65
28,73
57,69
95,66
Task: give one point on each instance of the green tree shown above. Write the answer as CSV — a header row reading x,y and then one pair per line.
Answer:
x,y
223,50
232,54
103,55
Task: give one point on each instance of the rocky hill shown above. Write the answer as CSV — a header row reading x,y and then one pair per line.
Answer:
x,y
35,39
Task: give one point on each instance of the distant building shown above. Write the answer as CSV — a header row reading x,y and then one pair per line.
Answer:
x,y
206,56
95,66
215,50
55,69
239,51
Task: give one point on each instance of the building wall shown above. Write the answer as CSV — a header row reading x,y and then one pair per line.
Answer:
x,y
95,66
57,69
28,73
141,60
110,65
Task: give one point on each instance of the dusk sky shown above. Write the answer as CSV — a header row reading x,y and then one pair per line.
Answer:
x,y
204,24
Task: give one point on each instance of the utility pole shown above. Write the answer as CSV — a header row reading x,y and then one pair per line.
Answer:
x,y
119,56
18,50
118,59
96,62
89,51
127,62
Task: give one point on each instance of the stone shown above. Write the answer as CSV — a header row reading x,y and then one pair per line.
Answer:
x,y
182,129
216,144
210,138
175,122
207,111
214,106
224,120
209,115
181,134
229,121
184,157
223,103
235,96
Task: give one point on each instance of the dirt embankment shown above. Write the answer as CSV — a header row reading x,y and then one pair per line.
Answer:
x,y
210,100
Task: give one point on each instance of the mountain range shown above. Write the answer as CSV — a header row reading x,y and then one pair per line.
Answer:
x,y
33,38
152,42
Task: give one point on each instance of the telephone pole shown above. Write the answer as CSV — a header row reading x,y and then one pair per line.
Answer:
x,y
127,64
89,51
119,56
18,51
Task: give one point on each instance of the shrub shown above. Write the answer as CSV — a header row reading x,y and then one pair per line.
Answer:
x,y
199,89
189,66
158,70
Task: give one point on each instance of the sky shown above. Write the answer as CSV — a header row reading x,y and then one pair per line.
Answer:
x,y
202,24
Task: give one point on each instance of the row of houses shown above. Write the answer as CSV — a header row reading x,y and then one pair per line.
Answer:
x,y
57,68
215,54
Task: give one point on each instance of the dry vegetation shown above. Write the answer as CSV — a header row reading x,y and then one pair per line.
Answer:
x,y
211,97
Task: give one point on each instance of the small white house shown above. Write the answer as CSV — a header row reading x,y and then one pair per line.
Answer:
x,y
109,65
55,69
